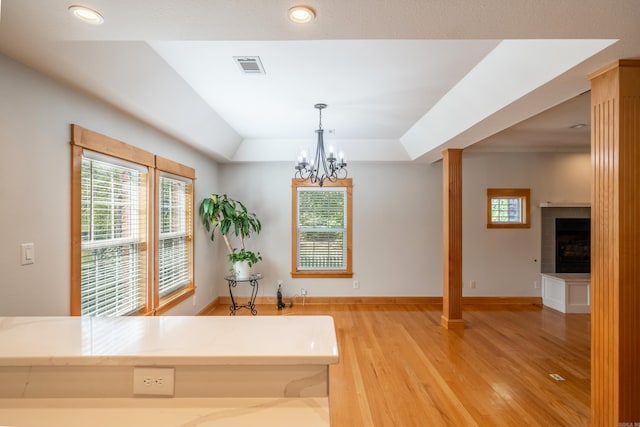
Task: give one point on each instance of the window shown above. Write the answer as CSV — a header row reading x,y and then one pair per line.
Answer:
x,y
175,229
321,229
113,261
508,207
114,256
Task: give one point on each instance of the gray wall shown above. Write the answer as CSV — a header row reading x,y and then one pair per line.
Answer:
x,y
35,114
397,228
397,223
507,262
397,208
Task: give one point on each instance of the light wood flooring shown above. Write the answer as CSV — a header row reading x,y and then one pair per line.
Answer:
x,y
398,367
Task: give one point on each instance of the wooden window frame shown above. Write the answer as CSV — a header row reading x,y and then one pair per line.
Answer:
x,y
81,139
524,194
321,274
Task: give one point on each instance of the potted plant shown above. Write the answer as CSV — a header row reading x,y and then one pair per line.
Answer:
x,y
227,215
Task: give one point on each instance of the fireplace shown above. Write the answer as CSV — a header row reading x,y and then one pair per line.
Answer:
x,y
573,245
566,257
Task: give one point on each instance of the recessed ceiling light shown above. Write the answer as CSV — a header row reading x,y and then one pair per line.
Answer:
x,y
301,14
87,15
578,126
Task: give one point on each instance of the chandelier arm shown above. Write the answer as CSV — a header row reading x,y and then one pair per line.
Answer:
x,y
302,174
322,155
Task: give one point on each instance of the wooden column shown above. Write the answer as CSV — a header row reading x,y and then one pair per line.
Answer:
x,y
615,252
452,239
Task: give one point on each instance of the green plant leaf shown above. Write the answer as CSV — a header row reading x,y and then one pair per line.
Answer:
x,y
221,211
225,225
250,257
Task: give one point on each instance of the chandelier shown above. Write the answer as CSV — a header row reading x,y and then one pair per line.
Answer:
x,y
322,167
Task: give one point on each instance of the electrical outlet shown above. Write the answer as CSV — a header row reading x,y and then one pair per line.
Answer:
x,y
472,284
153,381
303,292
356,284
536,284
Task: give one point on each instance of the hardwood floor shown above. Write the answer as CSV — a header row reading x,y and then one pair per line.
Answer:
x,y
399,367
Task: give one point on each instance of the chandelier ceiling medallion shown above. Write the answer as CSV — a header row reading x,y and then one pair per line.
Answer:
x,y
322,167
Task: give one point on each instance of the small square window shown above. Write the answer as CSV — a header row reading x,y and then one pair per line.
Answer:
x,y
508,207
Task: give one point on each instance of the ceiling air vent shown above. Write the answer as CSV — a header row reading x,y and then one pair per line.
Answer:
x,y
249,64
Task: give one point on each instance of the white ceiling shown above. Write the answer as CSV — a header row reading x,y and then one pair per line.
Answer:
x,y
404,79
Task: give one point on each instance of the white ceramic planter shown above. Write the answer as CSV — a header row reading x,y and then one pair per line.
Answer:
x,y
241,270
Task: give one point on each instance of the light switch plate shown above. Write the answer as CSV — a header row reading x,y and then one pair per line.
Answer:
x,y
27,254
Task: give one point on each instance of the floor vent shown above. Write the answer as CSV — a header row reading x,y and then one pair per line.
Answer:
x,y
250,64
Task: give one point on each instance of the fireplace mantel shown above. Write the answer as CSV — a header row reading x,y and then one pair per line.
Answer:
x,y
565,205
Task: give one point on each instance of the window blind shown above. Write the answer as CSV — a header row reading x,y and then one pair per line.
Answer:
x,y
321,228
174,247
113,234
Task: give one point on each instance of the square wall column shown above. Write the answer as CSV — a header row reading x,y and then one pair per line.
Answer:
x,y
615,245
452,239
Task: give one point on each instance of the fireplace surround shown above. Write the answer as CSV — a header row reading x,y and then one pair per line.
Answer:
x,y
565,258
548,234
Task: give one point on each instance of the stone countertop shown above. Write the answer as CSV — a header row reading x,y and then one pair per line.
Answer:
x,y
167,340
201,412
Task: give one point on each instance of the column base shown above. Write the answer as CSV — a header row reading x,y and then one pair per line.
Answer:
x,y
452,324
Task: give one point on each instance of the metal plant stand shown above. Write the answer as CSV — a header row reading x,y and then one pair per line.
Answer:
x,y
251,304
